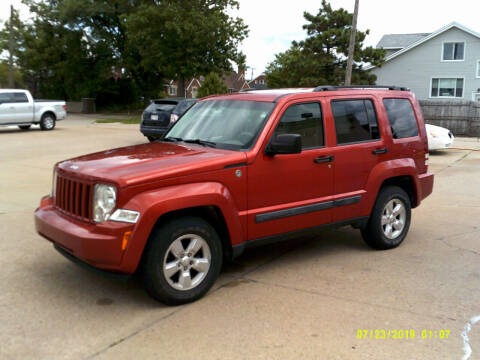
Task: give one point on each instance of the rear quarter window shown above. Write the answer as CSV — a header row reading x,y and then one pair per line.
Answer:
x,y
401,117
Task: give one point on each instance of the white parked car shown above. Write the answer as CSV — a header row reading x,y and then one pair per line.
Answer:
x,y
17,107
438,137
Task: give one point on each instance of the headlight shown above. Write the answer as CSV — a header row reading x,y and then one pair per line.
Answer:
x,y
104,202
433,134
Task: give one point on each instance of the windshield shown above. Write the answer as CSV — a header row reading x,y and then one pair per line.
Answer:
x,y
229,124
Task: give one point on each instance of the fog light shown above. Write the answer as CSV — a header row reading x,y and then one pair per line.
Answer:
x,y
122,215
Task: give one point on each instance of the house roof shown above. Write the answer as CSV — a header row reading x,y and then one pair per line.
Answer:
x,y
399,41
235,81
428,37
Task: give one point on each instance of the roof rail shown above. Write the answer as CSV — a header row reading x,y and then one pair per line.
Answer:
x,y
333,88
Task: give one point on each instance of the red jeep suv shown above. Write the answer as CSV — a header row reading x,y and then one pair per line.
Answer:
x,y
237,171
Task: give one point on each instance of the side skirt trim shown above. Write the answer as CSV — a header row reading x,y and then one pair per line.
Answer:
x,y
300,210
237,250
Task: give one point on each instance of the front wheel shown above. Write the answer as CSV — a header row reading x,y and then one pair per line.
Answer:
x,y
47,122
182,261
390,219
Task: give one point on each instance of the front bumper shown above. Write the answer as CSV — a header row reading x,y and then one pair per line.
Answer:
x,y
98,245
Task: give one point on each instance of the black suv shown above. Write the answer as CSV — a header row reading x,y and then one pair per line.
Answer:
x,y
161,114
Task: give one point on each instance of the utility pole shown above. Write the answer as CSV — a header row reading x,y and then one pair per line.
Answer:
x,y
351,47
11,83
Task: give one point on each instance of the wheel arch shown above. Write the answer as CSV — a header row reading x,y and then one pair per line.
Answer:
x,y
399,172
209,201
211,214
48,112
406,183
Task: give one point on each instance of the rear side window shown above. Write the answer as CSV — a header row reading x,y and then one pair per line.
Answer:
x,y
401,117
20,98
355,121
305,120
183,106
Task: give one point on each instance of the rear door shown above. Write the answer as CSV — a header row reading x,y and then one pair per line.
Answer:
x,y
23,108
359,148
292,192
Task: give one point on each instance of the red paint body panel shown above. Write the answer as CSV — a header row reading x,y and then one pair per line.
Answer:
x,y
98,245
158,178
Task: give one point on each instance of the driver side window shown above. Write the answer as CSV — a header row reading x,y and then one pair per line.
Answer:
x,y
6,98
305,120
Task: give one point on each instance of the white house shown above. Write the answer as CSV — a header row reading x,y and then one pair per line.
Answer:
x,y
444,64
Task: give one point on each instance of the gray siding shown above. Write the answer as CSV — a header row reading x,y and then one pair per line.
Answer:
x,y
415,68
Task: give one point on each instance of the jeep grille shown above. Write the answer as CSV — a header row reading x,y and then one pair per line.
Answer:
x,y
74,198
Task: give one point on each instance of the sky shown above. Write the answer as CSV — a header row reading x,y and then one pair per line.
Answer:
x,y
274,24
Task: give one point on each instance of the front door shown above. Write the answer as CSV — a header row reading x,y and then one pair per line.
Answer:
x,y
292,192
7,109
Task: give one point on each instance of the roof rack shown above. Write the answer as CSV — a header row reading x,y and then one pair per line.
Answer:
x,y
334,88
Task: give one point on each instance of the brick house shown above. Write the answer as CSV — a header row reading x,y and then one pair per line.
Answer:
x,y
234,81
259,83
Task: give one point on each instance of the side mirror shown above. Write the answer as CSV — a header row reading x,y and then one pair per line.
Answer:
x,y
285,144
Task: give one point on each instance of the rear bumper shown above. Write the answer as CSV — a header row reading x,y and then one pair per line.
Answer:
x,y
426,186
98,245
153,130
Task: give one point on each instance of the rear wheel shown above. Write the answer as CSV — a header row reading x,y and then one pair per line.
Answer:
x,y
47,122
390,219
24,127
182,261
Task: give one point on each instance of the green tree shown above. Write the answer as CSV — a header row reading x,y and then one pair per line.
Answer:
x,y
213,84
321,58
183,39
17,76
104,24
17,34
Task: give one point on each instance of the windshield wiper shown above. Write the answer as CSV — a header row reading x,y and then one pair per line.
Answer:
x,y
200,142
172,139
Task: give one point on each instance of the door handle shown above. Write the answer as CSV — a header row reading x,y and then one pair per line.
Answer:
x,y
323,159
380,151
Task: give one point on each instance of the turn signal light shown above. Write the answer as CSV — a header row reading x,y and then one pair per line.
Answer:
x,y
126,237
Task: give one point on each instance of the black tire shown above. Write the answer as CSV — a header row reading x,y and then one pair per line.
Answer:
x,y
24,127
158,251
374,234
48,122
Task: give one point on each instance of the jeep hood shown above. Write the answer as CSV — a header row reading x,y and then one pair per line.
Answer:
x,y
147,162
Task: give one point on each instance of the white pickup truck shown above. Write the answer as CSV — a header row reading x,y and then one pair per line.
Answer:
x,y
17,107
